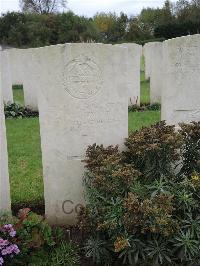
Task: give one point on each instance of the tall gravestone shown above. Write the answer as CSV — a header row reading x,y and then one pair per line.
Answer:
x,y
82,100
133,72
181,85
148,50
6,82
28,79
22,67
15,56
156,79
5,204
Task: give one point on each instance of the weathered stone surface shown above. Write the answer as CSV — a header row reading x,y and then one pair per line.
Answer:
x,y
133,75
6,82
181,85
156,79
22,69
82,99
16,66
5,204
148,50
28,78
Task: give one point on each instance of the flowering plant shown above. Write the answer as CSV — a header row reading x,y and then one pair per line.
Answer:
x,y
27,239
143,204
8,248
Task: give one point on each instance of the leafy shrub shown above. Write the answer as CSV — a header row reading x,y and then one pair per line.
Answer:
x,y
143,204
8,248
34,242
15,110
64,254
30,233
144,107
154,106
191,148
176,29
17,87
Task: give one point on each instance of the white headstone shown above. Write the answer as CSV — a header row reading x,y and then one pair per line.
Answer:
x,y
82,100
133,75
156,73
6,82
16,66
147,49
181,85
149,52
29,83
22,68
5,203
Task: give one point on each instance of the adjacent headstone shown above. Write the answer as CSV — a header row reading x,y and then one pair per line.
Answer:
x,y
16,63
133,75
82,100
181,85
28,79
148,50
6,82
5,203
156,73
22,67
142,66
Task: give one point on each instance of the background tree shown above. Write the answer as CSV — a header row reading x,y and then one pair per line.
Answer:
x,y
111,26
41,25
135,31
105,22
151,18
42,6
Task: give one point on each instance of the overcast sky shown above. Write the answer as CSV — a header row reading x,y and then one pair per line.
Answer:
x,y
90,7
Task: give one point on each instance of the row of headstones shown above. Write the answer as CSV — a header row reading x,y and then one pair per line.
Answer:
x,y
174,71
17,70
18,67
153,54
82,99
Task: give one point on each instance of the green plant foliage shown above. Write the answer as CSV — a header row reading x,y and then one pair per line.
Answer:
x,y
177,29
154,149
142,206
144,107
38,243
31,29
97,250
15,110
159,252
186,246
134,252
34,30
65,254
191,148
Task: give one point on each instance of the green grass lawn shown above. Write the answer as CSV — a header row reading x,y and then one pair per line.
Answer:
x,y
137,120
25,164
145,89
18,94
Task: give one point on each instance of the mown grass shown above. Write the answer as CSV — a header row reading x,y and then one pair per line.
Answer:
x,y
18,94
145,89
25,163
137,120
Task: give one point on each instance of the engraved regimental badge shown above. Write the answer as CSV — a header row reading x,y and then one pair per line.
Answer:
x,y
82,77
